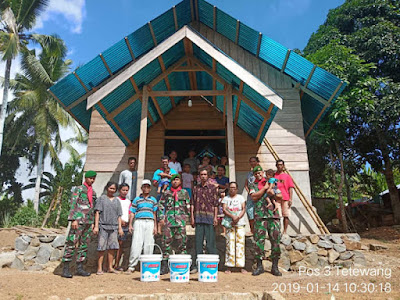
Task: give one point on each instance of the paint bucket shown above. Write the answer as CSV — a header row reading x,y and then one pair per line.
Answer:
x,y
150,267
179,267
207,265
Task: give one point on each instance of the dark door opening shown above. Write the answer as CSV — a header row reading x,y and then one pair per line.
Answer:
x,y
213,141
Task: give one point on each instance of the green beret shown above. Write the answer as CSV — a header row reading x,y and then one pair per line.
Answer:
x,y
90,174
175,176
257,169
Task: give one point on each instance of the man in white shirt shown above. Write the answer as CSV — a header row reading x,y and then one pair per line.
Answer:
x,y
173,163
130,177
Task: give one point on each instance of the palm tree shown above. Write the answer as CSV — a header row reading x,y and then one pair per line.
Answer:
x,y
41,113
17,18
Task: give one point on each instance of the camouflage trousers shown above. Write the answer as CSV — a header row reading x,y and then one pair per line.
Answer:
x,y
171,233
261,226
77,239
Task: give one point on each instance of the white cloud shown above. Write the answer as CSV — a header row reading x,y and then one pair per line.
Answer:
x,y
73,11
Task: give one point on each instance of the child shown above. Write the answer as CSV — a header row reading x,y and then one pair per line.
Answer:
x,y
108,224
81,218
273,191
126,205
164,182
213,179
221,214
187,179
143,211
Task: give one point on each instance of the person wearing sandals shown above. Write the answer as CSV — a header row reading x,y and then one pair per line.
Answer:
x,y
143,211
108,224
234,210
123,191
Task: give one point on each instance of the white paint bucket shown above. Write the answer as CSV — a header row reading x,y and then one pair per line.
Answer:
x,y
150,267
179,267
207,265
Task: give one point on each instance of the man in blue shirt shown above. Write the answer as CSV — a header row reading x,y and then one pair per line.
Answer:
x,y
161,172
143,210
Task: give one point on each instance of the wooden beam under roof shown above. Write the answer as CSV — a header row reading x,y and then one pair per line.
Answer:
x,y
271,106
130,48
175,18
105,64
235,92
297,85
189,53
285,61
162,65
81,82
158,108
183,93
238,102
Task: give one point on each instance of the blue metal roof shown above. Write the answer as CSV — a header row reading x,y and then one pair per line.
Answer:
x,y
71,92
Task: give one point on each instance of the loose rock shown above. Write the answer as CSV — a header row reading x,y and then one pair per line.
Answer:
x,y
44,253
284,262
35,242
30,253
59,241
352,245
311,248
322,252
312,259
46,239
26,238
325,244
21,244
295,256
339,247
7,258
375,247
314,238
286,240
332,256
17,264
299,245
55,255
336,239
346,255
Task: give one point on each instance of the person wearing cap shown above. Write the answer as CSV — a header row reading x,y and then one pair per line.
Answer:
x,y
81,216
266,220
143,224
172,214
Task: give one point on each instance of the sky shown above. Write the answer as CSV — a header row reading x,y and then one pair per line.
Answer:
x,y
89,27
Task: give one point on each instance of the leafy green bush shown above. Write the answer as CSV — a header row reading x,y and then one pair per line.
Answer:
x,y
26,215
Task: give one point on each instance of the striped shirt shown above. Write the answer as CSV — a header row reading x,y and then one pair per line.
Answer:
x,y
143,208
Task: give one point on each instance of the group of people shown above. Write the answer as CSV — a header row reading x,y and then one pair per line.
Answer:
x,y
189,194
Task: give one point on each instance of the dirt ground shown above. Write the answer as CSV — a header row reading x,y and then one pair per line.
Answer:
x,y
36,285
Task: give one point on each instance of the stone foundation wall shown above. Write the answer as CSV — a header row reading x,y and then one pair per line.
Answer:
x,y
36,253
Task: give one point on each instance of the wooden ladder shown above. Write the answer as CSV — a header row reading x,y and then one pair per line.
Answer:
x,y
321,226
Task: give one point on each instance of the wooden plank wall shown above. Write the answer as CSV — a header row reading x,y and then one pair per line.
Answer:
x,y
286,131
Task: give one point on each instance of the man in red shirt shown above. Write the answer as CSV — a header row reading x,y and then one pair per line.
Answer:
x,y
285,184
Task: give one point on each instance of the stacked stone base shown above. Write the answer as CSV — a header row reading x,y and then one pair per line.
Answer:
x,y
36,253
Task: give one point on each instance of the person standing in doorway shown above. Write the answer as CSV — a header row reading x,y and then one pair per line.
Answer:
x,y
163,172
174,163
266,220
129,177
285,185
192,161
204,210
224,162
81,216
223,182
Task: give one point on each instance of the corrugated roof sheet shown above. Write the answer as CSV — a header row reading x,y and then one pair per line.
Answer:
x,y
117,57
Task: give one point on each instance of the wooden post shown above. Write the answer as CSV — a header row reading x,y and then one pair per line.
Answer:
x,y
230,134
142,140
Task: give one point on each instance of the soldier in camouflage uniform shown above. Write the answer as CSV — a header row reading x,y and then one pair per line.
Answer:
x,y
81,216
173,213
265,220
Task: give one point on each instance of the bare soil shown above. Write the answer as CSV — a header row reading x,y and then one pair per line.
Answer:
x,y
40,285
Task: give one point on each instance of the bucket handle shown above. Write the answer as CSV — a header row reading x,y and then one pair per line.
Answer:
x,y
157,247
183,272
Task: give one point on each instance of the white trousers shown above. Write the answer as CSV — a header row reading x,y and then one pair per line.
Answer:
x,y
234,253
142,238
